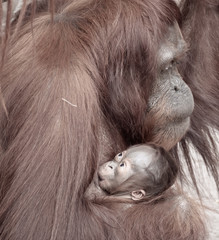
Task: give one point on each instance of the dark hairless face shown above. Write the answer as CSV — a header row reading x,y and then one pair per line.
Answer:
x,y
141,160
171,97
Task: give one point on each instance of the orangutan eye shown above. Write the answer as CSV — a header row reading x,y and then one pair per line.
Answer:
x,y
120,155
173,63
168,67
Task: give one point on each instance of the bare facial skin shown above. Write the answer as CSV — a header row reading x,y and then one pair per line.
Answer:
x,y
125,165
142,163
171,102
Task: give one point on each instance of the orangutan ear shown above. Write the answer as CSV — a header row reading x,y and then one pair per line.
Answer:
x,y
137,195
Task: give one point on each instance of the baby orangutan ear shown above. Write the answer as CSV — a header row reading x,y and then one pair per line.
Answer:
x,y
137,195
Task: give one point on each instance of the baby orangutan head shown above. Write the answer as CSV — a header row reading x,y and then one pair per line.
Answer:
x,y
140,172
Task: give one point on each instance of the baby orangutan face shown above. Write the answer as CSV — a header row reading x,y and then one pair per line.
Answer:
x,y
138,170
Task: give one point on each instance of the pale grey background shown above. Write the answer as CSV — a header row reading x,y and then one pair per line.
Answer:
x,y
209,193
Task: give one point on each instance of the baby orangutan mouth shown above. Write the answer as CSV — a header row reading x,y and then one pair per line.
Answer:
x,y
140,172
98,183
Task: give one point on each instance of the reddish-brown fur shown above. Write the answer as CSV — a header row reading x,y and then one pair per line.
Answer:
x,y
175,216
50,149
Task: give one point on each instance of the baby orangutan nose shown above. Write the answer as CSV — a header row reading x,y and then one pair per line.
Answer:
x,y
106,171
110,166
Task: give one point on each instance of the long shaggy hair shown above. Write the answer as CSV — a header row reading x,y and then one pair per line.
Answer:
x,y
74,88
200,70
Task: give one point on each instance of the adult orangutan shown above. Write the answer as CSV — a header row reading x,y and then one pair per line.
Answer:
x,y
87,81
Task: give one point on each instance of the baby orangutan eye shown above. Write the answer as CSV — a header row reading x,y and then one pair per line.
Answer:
x,y
120,155
118,158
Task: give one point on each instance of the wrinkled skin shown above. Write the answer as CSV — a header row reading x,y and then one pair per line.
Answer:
x,y
171,102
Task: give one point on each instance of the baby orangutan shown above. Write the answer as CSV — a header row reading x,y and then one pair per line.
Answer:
x,y
138,173
141,182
